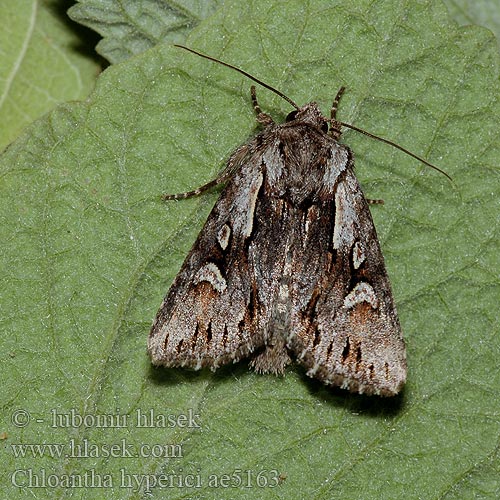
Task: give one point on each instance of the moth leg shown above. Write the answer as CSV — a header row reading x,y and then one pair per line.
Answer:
x,y
335,128
189,194
263,118
335,105
335,132
232,165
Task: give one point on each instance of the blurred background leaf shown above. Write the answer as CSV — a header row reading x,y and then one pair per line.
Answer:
x,y
130,27
43,62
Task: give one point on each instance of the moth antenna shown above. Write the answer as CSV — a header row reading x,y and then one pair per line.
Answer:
x,y
397,146
248,75
334,108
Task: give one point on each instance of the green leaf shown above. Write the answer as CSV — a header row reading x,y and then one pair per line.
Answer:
x,y
483,12
130,27
41,64
89,250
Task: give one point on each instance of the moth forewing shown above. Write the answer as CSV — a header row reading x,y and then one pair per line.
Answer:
x,y
350,335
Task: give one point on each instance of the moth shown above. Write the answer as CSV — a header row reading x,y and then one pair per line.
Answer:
x,y
288,265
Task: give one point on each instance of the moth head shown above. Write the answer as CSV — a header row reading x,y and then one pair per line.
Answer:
x,y
309,114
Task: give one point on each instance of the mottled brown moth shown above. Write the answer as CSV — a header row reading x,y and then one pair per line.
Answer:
x,y
288,265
